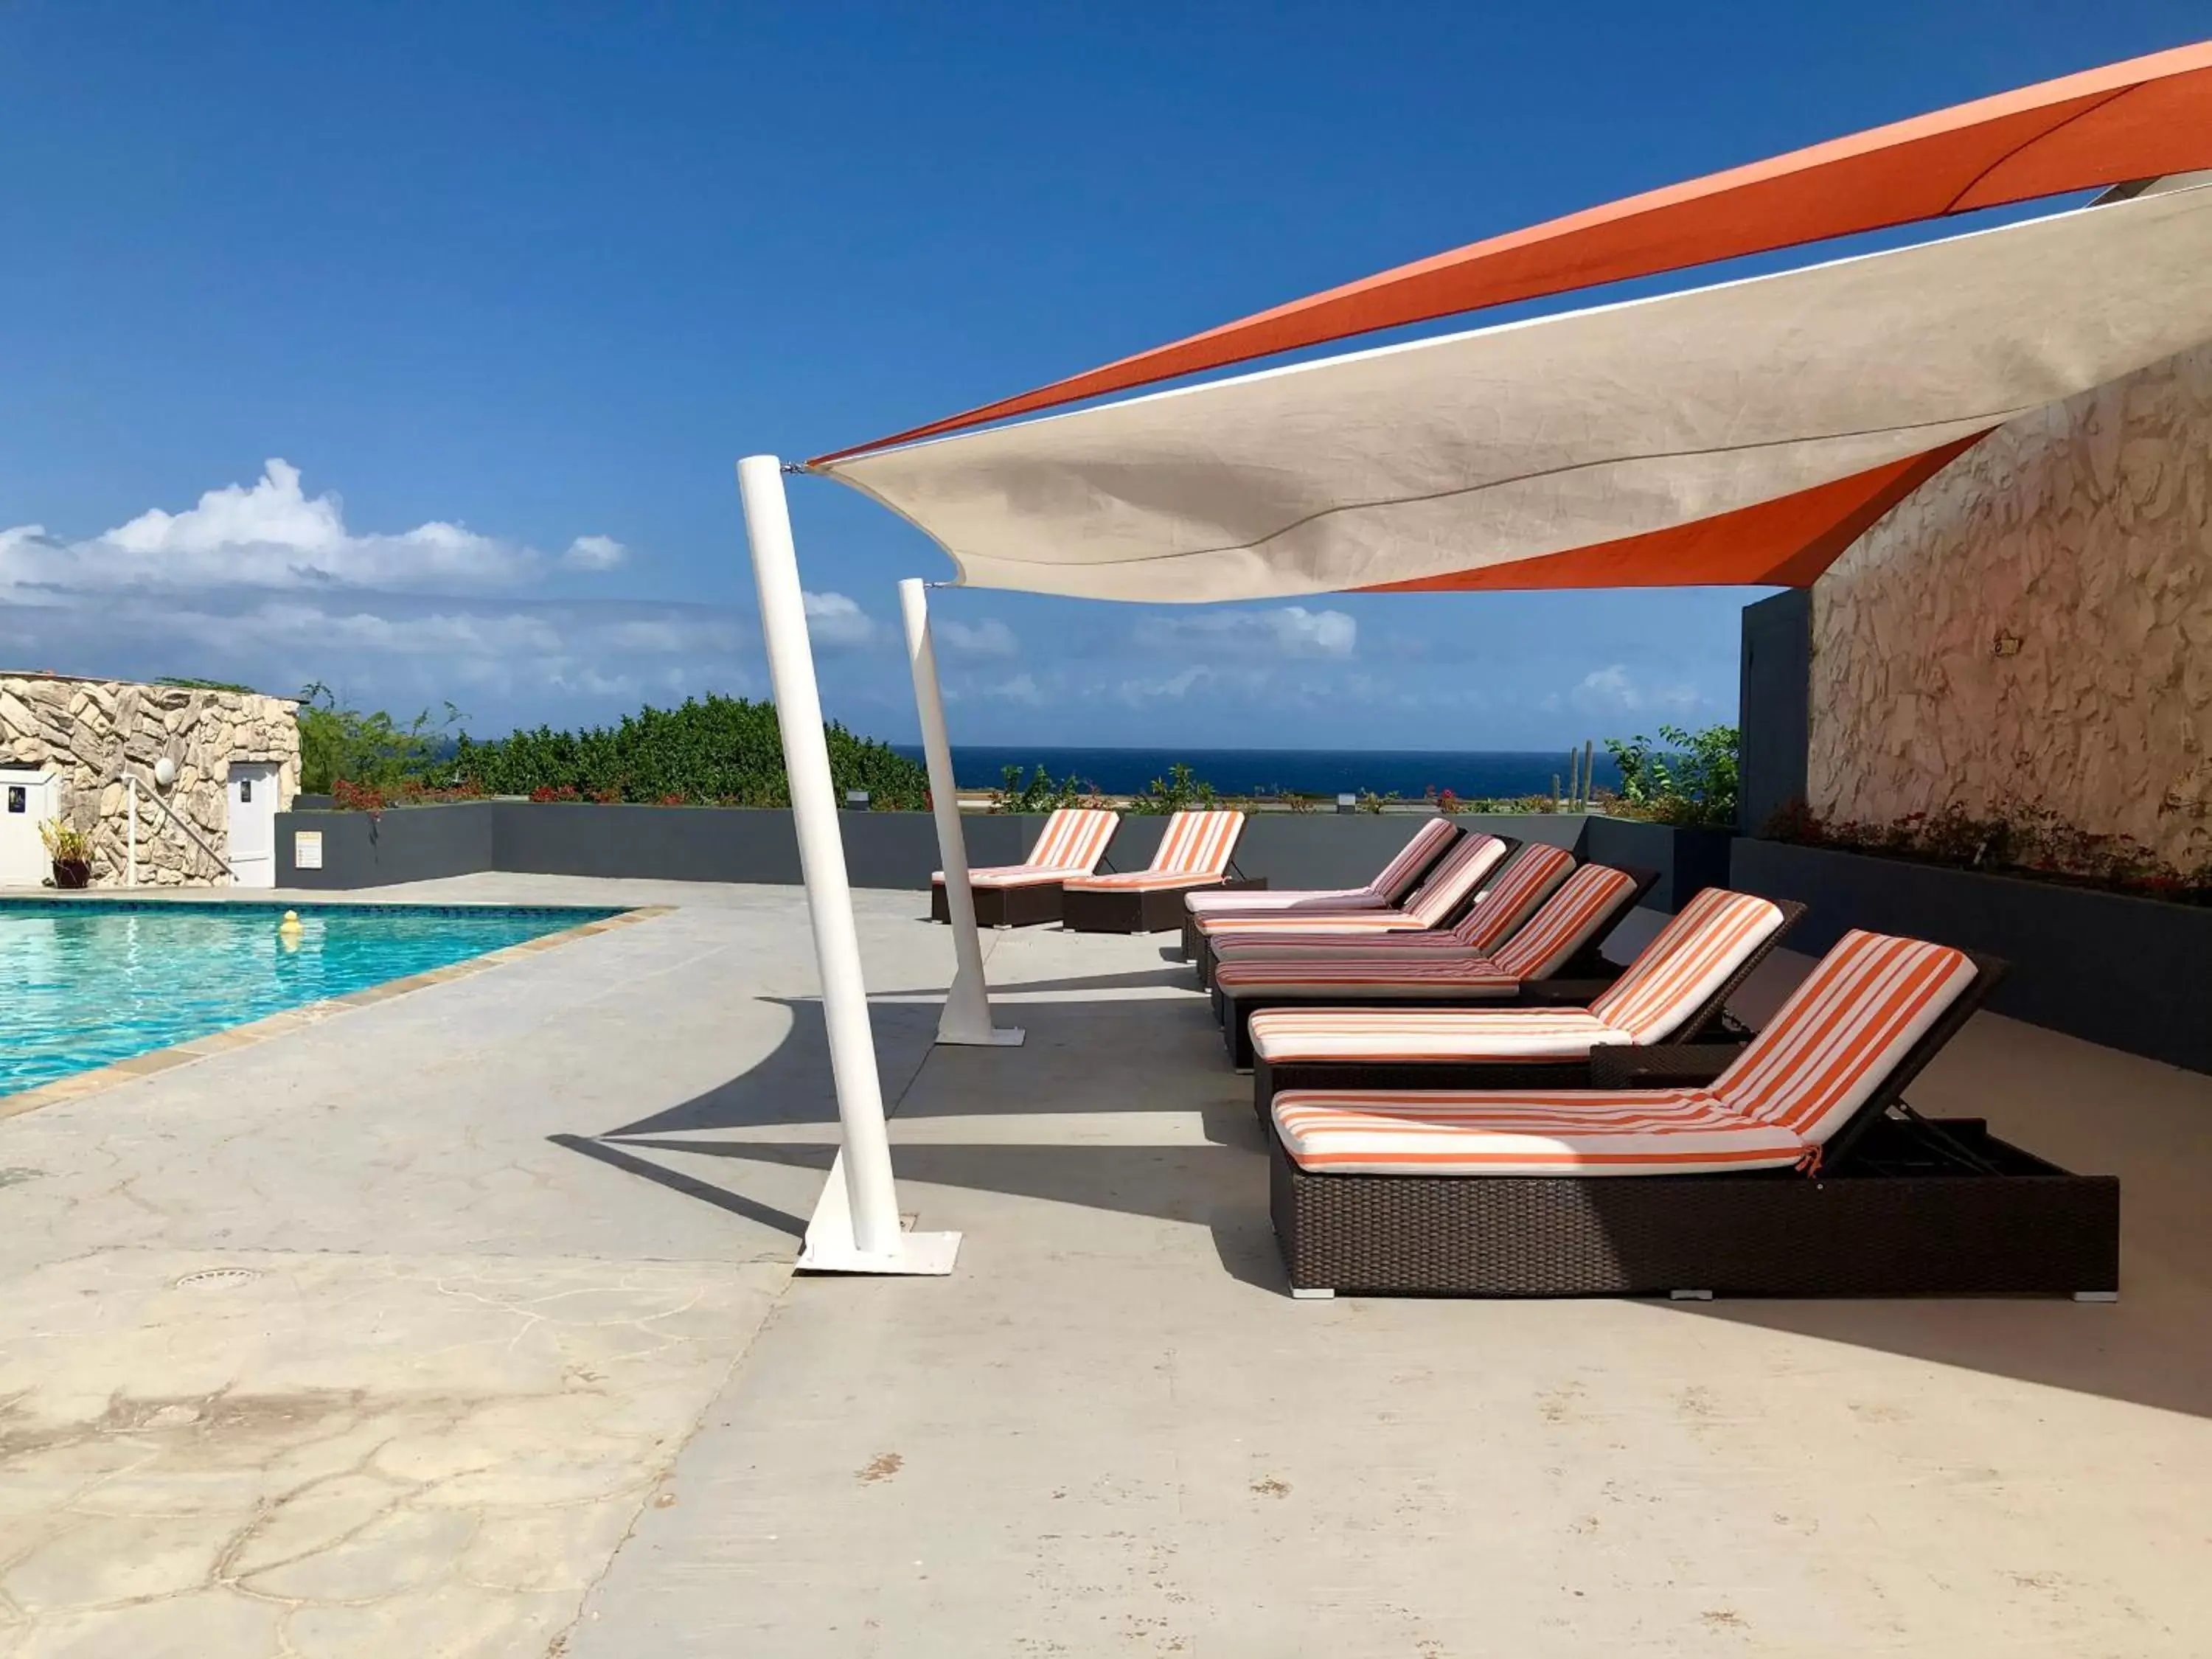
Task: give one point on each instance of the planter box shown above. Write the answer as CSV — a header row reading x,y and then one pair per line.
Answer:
x,y
2130,973
1687,860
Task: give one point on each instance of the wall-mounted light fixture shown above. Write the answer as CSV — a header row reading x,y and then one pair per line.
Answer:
x,y
164,772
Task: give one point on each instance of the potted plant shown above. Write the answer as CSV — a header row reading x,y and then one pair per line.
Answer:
x,y
70,850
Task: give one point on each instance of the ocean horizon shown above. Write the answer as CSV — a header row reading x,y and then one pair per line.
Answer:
x,y
1409,773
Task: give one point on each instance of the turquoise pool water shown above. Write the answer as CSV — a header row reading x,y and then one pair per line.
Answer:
x,y
86,984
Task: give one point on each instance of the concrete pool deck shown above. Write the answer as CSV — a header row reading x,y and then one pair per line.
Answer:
x,y
463,1323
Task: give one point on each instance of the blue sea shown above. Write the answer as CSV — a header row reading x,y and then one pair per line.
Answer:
x,y
1409,773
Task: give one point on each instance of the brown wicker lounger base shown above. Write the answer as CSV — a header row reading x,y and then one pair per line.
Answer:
x,y
1141,910
1022,906
1904,1216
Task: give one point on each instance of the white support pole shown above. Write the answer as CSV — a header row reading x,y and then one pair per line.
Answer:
x,y
131,875
855,1227
967,1016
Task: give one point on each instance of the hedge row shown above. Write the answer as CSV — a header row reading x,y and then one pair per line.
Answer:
x,y
720,750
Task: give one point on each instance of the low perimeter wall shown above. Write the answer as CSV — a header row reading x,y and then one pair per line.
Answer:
x,y
882,849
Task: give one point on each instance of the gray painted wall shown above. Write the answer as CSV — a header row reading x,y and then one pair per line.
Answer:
x,y
882,849
1775,693
416,843
2130,973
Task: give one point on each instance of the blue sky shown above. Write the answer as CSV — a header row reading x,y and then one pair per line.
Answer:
x,y
409,347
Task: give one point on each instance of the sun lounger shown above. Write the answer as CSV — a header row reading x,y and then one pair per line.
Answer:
x,y
1448,888
1195,852
1073,841
1791,1167
1552,958
1390,888
1534,875
1673,992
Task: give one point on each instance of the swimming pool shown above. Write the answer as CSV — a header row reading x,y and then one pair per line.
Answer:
x,y
84,984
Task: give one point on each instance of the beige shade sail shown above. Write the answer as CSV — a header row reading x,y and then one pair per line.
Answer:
x,y
1730,434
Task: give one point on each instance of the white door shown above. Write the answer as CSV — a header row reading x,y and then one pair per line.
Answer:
x,y
28,798
253,855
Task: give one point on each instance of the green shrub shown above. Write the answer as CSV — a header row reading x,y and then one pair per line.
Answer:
x,y
344,745
1039,794
1180,791
721,750
1692,782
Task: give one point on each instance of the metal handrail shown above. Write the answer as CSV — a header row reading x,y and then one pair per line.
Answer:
x,y
169,812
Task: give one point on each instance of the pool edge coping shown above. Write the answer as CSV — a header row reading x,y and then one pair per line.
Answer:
x,y
153,1061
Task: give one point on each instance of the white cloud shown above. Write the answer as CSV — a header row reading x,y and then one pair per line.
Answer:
x,y
268,534
1614,690
987,638
837,622
1173,689
1290,630
268,584
594,553
387,649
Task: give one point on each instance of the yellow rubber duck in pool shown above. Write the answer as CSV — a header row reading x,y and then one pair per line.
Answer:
x,y
289,931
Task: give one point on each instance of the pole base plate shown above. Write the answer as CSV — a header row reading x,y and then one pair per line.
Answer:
x,y
995,1036
918,1255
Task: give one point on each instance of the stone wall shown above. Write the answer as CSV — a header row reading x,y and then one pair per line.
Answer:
x,y
89,732
2033,627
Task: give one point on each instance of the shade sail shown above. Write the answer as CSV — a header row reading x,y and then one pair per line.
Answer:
x,y
2138,119
1742,432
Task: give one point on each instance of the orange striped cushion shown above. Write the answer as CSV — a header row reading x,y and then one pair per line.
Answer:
x,y
1149,881
1396,880
1071,842
1562,926
1501,1133
1691,958
1291,1034
1392,976
1195,848
1198,844
1447,888
1521,887
1570,918
1320,901
1007,875
1842,1030
1524,884
1402,874
1454,880
1073,838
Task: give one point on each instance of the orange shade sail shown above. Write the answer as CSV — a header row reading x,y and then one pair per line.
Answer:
x,y
2145,118
1783,542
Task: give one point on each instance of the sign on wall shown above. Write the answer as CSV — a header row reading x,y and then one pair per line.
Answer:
x,y
306,849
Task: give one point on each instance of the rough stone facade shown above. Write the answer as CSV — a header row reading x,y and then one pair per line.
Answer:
x,y
93,733
2033,628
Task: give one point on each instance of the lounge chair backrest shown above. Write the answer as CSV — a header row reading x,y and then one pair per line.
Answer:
x,y
1198,844
1458,874
1844,1031
1403,873
1074,838
1522,885
1570,919
1692,958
